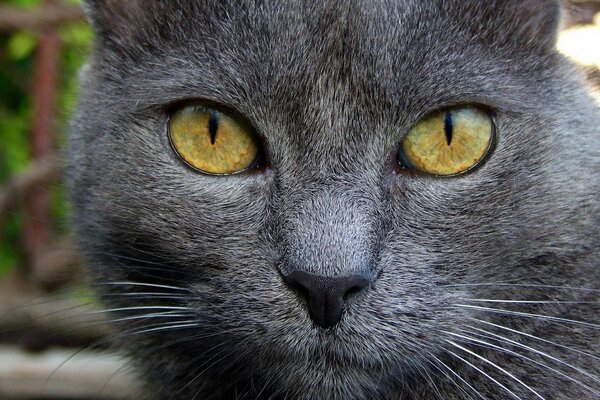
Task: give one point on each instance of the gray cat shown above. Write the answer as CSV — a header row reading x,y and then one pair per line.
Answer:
x,y
342,199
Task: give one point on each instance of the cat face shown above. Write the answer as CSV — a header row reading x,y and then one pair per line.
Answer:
x,y
439,281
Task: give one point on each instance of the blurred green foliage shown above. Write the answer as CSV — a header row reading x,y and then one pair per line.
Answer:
x,y
17,53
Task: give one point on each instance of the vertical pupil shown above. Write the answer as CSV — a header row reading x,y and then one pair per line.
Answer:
x,y
213,126
448,127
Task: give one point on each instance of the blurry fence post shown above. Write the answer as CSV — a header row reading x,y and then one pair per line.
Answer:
x,y
44,89
45,256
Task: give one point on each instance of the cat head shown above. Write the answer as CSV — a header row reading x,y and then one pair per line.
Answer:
x,y
331,266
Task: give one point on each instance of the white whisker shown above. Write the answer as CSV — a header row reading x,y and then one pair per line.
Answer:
x,y
157,294
531,301
165,328
431,382
504,350
455,374
528,315
140,308
167,314
485,360
526,286
144,285
536,351
484,373
139,260
536,338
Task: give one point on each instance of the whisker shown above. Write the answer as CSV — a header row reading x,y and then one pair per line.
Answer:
x,y
165,328
85,318
431,381
456,375
233,361
485,360
449,378
483,343
266,384
156,294
139,327
198,375
189,321
198,337
483,373
535,338
212,334
52,314
166,314
75,354
277,393
140,308
525,285
110,378
194,371
531,301
103,341
174,298
124,283
33,304
137,260
536,351
528,315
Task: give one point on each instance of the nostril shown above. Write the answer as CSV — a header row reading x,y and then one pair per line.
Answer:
x,y
298,287
352,290
325,295
357,283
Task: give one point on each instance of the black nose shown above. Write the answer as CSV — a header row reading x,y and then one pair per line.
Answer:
x,y
326,294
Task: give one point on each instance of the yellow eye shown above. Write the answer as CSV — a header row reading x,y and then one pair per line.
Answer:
x,y
448,142
211,141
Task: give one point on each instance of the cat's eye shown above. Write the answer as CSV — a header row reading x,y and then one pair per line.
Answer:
x,y
448,142
213,141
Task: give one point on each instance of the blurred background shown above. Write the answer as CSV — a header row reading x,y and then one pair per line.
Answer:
x,y
52,335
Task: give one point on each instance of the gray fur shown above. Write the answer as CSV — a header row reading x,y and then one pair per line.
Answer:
x,y
332,87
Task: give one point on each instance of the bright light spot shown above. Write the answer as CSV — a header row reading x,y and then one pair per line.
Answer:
x,y
582,43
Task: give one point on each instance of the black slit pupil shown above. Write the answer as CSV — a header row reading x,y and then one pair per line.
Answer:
x,y
448,127
213,126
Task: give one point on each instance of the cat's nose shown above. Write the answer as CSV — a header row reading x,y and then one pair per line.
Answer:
x,y
326,294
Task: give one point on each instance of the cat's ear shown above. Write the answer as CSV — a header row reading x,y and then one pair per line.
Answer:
x,y
526,24
117,19
540,21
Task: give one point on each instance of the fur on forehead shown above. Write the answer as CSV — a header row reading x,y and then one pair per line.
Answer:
x,y
528,23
